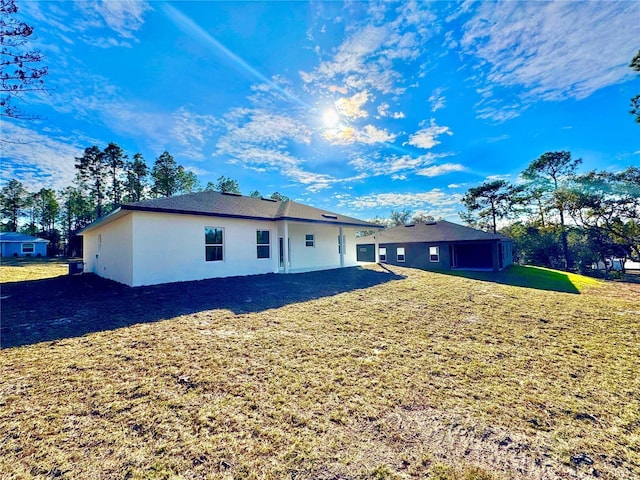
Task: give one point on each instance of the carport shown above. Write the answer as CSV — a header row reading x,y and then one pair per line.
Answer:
x,y
472,255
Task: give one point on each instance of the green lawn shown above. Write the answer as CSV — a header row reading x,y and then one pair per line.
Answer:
x,y
421,375
535,277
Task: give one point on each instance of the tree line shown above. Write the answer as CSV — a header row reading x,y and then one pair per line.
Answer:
x,y
105,178
556,217
559,218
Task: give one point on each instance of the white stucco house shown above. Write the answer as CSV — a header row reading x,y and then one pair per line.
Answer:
x,y
211,234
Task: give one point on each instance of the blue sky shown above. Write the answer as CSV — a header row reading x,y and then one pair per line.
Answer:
x,y
356,107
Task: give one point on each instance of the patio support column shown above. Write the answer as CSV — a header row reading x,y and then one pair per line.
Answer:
x,y
341,242
376,248
285,247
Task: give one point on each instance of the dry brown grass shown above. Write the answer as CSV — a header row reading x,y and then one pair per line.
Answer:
x,y
431,375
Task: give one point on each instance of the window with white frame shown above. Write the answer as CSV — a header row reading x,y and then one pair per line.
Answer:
x,y
263,242
341,243
382,253
434,254
28,248
310,240
400,254
214,243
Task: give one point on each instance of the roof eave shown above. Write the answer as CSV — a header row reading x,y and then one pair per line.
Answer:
x,y
108,218
140,208
331,222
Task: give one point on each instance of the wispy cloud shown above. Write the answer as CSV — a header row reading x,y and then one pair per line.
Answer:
x,y
394,165
95,22
437,170
367,58
38,159
368,135
260,140
192,131
437,100
433,199
257,126
121,16
550,50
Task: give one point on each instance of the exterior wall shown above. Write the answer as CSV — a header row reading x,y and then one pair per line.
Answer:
x,y
147,248
171,248
507,253
10,249
108,250
324,254
417,255
350,247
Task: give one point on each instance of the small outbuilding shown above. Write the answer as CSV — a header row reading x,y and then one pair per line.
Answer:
x,y
437,245
14,244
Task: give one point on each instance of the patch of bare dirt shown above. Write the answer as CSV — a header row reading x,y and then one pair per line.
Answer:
x,y
455,439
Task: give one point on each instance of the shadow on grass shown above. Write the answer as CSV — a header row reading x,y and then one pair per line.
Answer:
x,y
529,277
72,306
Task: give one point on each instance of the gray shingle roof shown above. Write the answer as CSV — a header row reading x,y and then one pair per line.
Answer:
x,y
440,231
238,206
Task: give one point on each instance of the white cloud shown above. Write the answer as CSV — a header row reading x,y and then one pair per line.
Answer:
x,y
259,140
37,160
371,135
394,164
192,131
93,22
435,198
491,178
353,53
191,127
498,112
122,16
437,100
555,50
383,111
427,137
351,107
403,46
392,35
437,170
257,126
368,135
